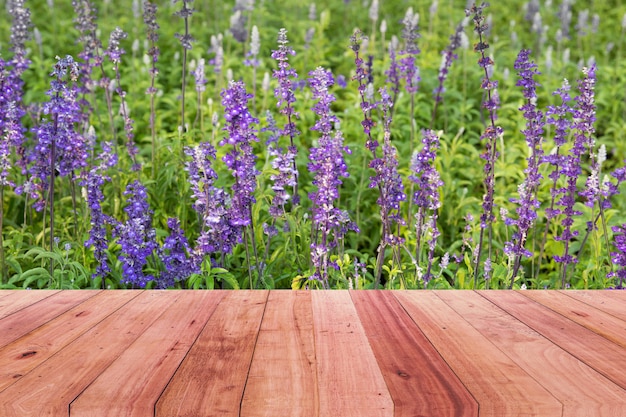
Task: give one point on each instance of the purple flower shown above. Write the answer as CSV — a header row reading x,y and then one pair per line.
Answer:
x,y
388,180
328,166
57,140
491,133
211,203
185,13
175,255
366,106
93,183
448,56
584,120
619,256
241,158
152,28
407,66
136,236
426,195
285,162
527,201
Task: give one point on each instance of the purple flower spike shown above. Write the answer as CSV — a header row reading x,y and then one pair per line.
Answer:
x,y
241,158
211,203
175,255
136,236
328,165
527,201
619,256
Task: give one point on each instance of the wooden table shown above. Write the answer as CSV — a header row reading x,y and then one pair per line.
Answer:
x,y
318,353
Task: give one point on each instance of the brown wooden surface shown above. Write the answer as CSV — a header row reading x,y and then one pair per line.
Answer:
x,y
350,381
419,380
591,348
499,385
326,353
211,379
289,386
581,390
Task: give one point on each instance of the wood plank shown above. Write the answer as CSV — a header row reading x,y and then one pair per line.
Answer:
x,y
147,365
602,300
211,379
48,389
350,381
19,299
582,390
595,320
17,359
420,382
283,375
601,354
499,385
29,318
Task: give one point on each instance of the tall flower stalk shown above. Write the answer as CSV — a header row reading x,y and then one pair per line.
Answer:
x,y
426,197
11,106
152,27
528,204
389,183
490,135
59,147
558,116
240,159
115,52
94,181
328,166
185,40
448,56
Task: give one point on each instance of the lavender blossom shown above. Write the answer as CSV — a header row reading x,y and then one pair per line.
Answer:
x,y
426,196
391,190
218,235
448,56
619,256
20,33
94,181
136,236
241,158
152,28
366,105
185,13
407,65
177,257
57,139
115,52
328,166
527,201
584,119
491,133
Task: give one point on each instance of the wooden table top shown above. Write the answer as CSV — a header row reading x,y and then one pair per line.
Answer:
x,y
312,353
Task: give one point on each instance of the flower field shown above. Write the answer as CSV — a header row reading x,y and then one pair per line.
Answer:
x,y
332,144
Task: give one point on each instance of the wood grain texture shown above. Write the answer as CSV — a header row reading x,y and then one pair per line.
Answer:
x,y
582,390
147,365
420,382
499,385
70,371
283,377
602,300
19,299
17,359
211,379
350,381
606,325
599,353
29,318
